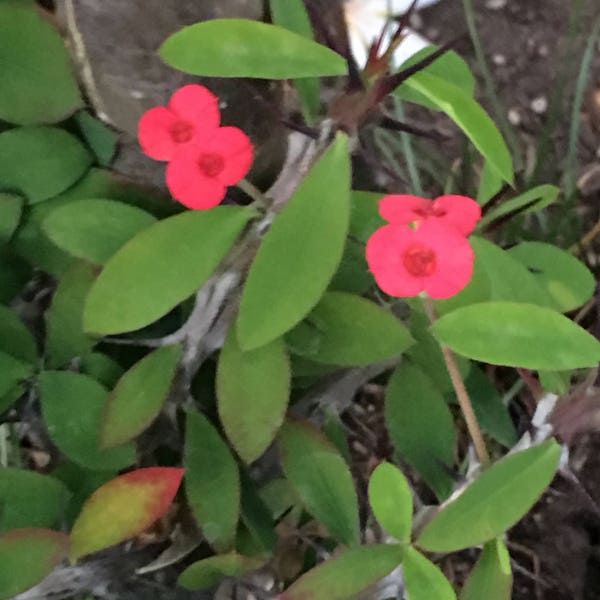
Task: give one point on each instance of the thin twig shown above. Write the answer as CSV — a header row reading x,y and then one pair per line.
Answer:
x,y
461,393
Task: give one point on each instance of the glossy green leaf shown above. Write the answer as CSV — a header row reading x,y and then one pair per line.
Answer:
x,y
569,283
122,508
100,138
209,572
490,184
139,396
11,207
424,580
450,67
492,576
73,406
508,278
65,338
15,338
348,330
346,574
95,229
532,201
244,48
12,372
163,266
494,502
27,556
517,335
469,116
40,162
300,253
390,498
321,478
421,426
28,499
253,390
102,368
38,85
212,482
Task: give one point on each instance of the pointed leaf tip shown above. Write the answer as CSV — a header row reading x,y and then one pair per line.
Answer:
x,y
123,508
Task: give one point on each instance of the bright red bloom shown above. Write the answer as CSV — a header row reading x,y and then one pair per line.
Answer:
x,y
433,258
192,111
199,173
460,212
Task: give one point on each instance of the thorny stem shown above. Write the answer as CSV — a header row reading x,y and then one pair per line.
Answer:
x,y
461,393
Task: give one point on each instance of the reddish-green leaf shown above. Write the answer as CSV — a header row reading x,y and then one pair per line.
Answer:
x,y
211,571
253,390
321,478
27,556
139,396
124,507
300,253
212,482
347,574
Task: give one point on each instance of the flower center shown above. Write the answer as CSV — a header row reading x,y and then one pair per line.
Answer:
x,y
430,211
419,260
182,132
211,164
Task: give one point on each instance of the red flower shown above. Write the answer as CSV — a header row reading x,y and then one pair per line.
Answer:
x,y
192,111
199,173
460,212
433,258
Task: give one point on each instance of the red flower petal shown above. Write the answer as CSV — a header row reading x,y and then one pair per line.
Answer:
x,y
154,133
403,209
236,148
385,252
197,104
189,185
461,212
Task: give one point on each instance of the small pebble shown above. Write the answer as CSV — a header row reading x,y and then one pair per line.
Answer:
x,y
496,4
539,105
543,50
499,60
514,117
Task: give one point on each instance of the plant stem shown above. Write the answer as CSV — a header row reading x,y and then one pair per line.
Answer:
x,y
461,393
260,200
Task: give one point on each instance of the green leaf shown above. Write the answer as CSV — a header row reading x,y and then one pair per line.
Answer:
x,y
507,277
492,576
244,48
100,138
11,207
348,330
12,372
346,574
122,508
365,219
15,338
253,390
555,382
490,184
321,479
569,283
532,201
102,368
65,338
469,116
95,229
28,499
40,162
38,85
494,502
212,482
27,556
450,67
257,520
390,498
209,572
139,396
163,266
73,405
353,275
421,426
300,253
424,580
517,335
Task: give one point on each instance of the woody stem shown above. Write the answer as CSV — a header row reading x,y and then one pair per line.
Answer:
x,y
461,393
